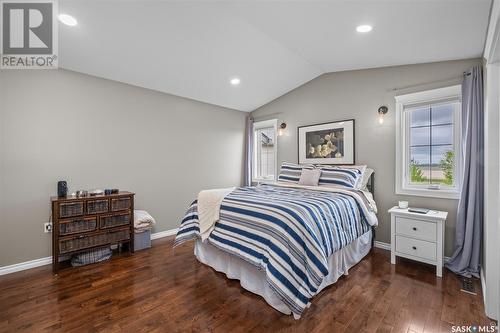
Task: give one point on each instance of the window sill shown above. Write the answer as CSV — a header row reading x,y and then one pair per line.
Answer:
x,y
441,194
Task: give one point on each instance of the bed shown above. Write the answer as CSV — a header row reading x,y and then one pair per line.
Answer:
x,y
283,241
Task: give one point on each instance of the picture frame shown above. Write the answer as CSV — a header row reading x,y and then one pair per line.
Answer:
x,y
327,143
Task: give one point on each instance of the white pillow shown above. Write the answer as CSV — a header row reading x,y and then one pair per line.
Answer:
x,y
366,177
309,177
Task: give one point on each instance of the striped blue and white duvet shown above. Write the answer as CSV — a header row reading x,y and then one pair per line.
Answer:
x,y
289,232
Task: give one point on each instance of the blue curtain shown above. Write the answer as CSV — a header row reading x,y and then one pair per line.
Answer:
x,y
468,234
248,152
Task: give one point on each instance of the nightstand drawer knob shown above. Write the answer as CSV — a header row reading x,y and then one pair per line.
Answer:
x,y
414,247
414,228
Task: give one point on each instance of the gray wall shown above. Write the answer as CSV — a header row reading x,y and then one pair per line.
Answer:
x,y
96,133
358,94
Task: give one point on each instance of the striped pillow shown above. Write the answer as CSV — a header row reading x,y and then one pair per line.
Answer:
x,y
290,172
338,176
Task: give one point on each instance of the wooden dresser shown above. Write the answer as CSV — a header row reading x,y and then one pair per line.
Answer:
x,y
83,223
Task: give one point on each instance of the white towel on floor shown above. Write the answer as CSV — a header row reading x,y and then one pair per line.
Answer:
x,y
143,221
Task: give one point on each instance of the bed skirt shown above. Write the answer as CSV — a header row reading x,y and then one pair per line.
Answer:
x,y
254,280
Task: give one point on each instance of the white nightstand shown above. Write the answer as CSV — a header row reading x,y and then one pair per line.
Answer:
x,y
418,236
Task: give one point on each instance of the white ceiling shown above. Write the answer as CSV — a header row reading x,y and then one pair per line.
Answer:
x,y
192,49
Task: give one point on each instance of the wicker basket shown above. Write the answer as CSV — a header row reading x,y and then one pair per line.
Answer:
x,y
97,206
85,241
120,204
69,227
106,222
70,209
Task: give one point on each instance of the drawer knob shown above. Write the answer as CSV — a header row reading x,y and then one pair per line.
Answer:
x,y
414,247
414,228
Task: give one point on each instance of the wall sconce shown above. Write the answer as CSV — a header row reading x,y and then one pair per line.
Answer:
x,y
381,113
282,129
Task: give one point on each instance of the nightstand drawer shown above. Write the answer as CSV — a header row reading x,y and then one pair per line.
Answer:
x,y
416,247
416,229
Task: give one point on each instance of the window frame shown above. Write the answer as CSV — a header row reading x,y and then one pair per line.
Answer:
x,y
259,125
407,102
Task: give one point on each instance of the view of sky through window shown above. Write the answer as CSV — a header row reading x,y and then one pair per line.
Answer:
x,y
431,144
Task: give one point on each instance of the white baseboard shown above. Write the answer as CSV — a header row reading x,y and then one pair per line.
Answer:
x,y
487,309
48,260
157,235
165,233
483,287
382,245
25,265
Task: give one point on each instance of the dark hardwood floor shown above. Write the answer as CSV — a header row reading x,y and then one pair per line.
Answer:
x,y
168,290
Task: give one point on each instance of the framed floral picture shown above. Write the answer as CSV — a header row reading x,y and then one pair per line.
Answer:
x,y
328,143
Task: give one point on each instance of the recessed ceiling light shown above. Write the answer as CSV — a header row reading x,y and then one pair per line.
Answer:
x,y
364,28
68,20
235,81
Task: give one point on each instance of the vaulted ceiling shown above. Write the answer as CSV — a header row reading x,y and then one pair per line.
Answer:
x,y
194,48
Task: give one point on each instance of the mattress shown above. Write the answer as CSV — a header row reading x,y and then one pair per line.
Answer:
x,y
254,280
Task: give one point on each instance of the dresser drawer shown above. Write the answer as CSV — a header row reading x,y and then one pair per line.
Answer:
x,y
416,229
86,224
81,242
416,247
70,209
111,221
97,206
121,204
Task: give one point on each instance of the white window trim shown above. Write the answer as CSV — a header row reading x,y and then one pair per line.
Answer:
x,y
263,124
402,156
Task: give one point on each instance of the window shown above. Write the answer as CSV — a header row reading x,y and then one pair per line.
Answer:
x,y
428,158
265,150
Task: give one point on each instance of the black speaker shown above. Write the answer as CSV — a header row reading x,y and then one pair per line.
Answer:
x,y
62,188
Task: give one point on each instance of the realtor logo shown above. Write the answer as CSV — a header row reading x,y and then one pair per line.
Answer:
x,y
29,34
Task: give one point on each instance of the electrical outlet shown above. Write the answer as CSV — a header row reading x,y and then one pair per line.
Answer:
x,y
47,227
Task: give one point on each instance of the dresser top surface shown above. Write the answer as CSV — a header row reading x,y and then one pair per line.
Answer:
x,y
432,214
89,197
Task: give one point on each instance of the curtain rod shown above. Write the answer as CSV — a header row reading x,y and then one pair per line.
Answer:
x,y
450,80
